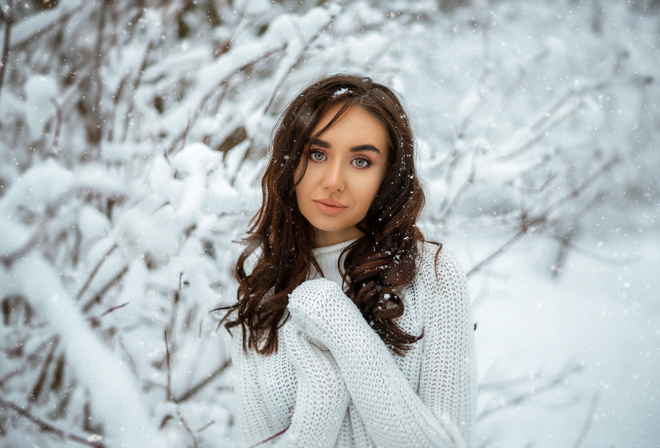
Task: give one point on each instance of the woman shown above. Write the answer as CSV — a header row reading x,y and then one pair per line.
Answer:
x,y
350,329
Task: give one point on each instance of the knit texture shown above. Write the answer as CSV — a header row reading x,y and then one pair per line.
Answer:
x,y
333,382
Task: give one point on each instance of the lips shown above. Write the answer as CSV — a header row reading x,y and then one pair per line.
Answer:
x,y
329,206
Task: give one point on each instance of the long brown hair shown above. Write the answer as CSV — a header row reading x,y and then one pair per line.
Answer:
x,y
376,266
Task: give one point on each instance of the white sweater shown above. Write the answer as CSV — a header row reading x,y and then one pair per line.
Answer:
x,y
333,382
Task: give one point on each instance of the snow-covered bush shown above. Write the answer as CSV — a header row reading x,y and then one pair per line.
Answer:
x,y
132,135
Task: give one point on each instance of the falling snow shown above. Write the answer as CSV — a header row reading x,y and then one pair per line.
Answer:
x,y
131,145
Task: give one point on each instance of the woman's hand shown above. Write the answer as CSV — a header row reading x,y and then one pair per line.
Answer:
x,y
317,306
322,397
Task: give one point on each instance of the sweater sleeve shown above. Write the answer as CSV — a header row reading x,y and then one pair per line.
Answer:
x,y
321,398
252,416
448,381
392,412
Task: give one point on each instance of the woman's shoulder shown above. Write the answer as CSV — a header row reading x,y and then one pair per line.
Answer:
x,y
436,258
438,268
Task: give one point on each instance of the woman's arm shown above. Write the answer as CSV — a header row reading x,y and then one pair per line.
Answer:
x,y
253,419
393,413
448,382
321,399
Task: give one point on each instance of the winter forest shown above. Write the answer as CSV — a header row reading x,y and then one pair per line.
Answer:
x,y
132,138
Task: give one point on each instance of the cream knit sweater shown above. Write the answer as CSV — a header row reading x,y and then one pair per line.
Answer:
x,y
333,382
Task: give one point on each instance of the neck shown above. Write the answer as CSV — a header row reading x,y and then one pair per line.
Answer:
x,y
325,239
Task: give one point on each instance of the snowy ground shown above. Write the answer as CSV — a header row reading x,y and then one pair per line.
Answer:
x,y
596,329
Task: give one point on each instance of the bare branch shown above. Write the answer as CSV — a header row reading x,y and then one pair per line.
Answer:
x,y
58,125
50,212
45,28
582,187
271,437
199,386
205,427
188,430
95,271
114,308
496,254
570,369
97,298
9,21
8,260
50,427
587,422
38,385
135,85
210,94
461,191
298,61
169,370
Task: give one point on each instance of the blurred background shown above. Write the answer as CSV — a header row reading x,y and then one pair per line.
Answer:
x,y
132,138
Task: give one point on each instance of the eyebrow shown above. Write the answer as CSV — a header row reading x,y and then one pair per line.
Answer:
x,y
326,145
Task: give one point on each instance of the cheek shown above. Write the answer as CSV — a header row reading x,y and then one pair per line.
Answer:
x,y
369,190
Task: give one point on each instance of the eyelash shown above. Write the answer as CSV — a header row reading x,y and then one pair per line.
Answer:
x,y
311,153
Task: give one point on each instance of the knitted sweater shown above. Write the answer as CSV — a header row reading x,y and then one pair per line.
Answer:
x,y
333,382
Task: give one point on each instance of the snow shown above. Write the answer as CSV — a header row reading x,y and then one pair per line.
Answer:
x,y
129,227
115,397
600,317
40,91
37,188
27,28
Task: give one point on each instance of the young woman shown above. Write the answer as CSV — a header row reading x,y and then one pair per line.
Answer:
x,y
350,329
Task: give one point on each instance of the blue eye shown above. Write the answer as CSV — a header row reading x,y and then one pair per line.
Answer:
x,y
361,163
316,156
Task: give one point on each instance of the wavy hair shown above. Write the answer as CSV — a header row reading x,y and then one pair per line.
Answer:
x,y
376,266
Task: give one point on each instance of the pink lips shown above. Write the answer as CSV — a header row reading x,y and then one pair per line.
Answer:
x,y
329,206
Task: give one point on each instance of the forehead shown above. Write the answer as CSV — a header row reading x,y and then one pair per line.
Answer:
x,y
354,124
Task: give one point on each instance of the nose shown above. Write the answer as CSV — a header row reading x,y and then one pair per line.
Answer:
x,y
333,180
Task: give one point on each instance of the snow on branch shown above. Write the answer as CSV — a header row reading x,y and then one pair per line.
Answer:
x,y
115,396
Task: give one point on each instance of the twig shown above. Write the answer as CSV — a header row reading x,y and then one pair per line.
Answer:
x,y
58,125
169,370
96,320
205,427
590,254
209,95
509,383
580,188
9,21
461,191
541,134
95,271
528,223
485,74
99,295
49,427
135,85
110,310
199,386
8,260
187,428
39,384
569,369
271,437
97,115
587,422
295,64
31,357
495,254
27,38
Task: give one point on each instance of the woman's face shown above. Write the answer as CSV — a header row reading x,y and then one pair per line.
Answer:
x,y
345,166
